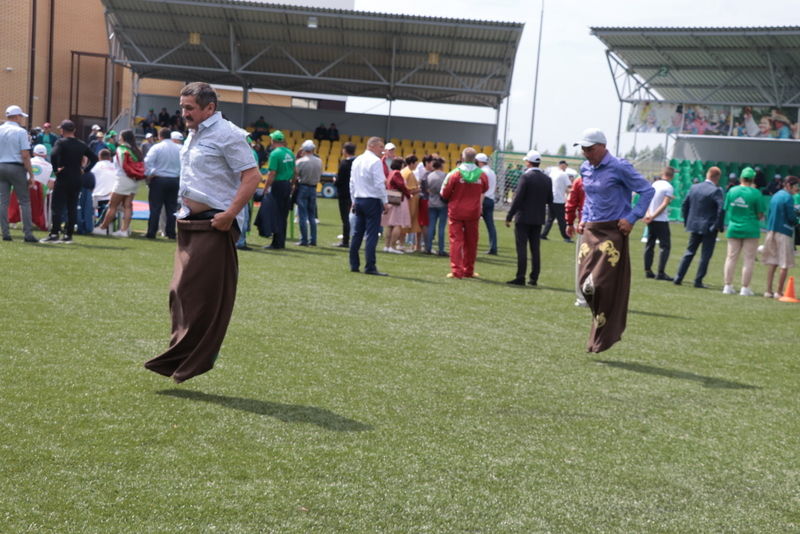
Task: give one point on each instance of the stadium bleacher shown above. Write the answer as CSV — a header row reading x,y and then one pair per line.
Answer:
x,y
331,151
688,172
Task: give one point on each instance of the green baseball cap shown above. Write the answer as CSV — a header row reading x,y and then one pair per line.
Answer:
x,y
277,135
748,173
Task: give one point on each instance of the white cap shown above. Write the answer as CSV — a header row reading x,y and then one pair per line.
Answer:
x,y
591,136
483,158
148,135
40,150
15,110
308,145
389,146
176,136
533,157
95,126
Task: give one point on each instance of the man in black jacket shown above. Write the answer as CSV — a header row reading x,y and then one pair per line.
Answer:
x,y
343,191
703,215
534,193
67,159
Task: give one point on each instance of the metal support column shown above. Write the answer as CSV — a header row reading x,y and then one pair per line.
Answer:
x,y
619,129
245,96
389,122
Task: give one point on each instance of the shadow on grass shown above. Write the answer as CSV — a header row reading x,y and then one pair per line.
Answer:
x,y
653,314
706,381
288,413
412,279
312,251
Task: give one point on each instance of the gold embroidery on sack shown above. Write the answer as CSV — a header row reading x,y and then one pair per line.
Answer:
x,y
583,252
600,319
608,248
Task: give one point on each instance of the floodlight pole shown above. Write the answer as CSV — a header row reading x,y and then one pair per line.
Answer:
x,y
536,78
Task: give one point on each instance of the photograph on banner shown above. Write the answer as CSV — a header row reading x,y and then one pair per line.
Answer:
x,y
765,122
699,119
655,117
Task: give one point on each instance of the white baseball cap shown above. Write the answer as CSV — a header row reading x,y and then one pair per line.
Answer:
x,y
389,146
40,150
308,145
591,136
148,135
95,126
176,136
483,158
15,110
533,157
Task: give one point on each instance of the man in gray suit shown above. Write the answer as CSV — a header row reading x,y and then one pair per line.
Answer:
x,y
702,212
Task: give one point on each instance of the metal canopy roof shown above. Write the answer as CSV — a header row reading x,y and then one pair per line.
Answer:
x,y
755,66
255,44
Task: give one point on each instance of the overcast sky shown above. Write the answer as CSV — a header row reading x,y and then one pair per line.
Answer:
x,y
575,86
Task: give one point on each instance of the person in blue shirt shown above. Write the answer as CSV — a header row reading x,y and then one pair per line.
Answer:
x,y
778,248
607,221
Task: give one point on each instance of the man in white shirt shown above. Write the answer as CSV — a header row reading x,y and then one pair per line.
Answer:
x,y
561,183
162,166
217,179
482,161
369,200
657,221
15,171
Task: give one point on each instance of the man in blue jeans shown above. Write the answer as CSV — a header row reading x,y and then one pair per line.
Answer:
x,y
482,161
368,193
308,171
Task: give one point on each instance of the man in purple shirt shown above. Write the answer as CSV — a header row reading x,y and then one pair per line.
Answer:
x,y
607,220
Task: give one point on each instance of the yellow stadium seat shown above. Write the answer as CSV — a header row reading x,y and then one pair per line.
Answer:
x,y
488,150
344,138
355,139
307,135
249,129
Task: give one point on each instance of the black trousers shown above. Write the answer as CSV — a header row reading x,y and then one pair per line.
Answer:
x,y
657,230
344,212
527,235
708,241
65,195
556,212
163,192
281,192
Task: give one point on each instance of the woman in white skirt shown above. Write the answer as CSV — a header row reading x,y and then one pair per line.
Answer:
x,y
128,161
397,216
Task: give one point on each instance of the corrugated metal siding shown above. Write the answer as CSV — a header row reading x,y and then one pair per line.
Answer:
x,y
734,61
472,50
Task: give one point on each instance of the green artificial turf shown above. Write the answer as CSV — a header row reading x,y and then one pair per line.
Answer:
x,y
348,403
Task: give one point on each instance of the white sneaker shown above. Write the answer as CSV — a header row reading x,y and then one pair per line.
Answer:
x,y
121,233
777,295
581,303
746,292
728,290
99,231
767,295
386,249
394,251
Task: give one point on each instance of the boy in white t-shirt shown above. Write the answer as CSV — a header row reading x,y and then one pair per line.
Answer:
x,y
105,176
657,221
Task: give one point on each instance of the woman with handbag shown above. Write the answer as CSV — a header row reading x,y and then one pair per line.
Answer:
x,y
397,216
129,163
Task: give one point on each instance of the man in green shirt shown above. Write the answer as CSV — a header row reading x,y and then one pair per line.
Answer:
x,y
279,183
745,207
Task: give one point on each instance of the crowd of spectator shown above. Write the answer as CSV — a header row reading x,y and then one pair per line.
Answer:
x,y
81,185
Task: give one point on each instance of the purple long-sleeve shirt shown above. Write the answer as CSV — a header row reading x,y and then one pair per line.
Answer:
x,y
609,188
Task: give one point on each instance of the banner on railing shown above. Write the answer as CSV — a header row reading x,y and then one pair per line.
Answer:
x,y
702,119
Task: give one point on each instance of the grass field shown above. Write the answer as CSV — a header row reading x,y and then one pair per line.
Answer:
x,y
408,404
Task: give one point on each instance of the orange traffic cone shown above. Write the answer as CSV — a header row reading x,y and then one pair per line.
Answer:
x,y
788,295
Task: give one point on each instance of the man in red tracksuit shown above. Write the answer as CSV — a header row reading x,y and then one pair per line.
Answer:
x,y
463,190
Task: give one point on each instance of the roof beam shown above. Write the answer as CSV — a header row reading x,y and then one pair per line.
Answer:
x,y
353,15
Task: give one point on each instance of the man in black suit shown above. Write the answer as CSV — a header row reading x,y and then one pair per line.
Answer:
x,y
703,214
534,193
343,191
